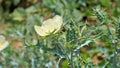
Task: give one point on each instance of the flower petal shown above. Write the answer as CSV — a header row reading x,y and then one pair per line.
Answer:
x,y
40,31
3,43
48,26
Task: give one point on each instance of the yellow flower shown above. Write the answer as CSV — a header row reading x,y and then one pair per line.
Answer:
x,y
3,43
49,26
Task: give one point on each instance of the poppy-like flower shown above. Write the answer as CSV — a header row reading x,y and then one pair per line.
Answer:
x,y
49,26
3,43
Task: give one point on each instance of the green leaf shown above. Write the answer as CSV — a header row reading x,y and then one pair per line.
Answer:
x,y
64,64
86,42
16,2
31,9
18,14
70,35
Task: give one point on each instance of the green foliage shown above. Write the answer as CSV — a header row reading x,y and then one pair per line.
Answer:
x,y
118,29
89,36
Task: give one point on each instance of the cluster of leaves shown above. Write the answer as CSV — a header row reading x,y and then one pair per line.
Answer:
x,y
89,36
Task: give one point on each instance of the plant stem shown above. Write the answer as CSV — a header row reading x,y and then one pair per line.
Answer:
x,y
72,58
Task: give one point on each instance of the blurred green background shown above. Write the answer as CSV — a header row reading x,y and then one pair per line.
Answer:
x,y
87,38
